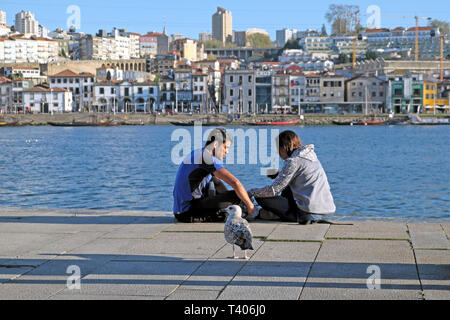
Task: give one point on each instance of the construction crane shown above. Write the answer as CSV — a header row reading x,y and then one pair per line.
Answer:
x,y
417,18
354,40
441,58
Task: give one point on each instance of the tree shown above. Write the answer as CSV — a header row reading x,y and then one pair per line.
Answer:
x,y
324,33
443,26
342,18
371,55
259,40
216,44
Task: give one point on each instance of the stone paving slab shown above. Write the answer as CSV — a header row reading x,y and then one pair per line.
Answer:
x,y
428,236
296,232
434,272
346,266
185,294
267,282
446,228
137,278
369,230
146,255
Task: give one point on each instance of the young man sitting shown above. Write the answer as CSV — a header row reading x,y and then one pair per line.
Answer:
x,y
192,203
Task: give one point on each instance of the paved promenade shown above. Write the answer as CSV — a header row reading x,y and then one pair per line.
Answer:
x,y
146,255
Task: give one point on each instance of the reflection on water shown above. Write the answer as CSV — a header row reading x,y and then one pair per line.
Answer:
x,y
373,172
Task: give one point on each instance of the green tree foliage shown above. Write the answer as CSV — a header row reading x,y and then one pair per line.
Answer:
x,y
259,40
343,58
443,26
371,55
342,18
324,33
216,44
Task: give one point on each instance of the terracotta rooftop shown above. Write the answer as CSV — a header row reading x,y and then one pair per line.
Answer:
x,y
70,74
45,89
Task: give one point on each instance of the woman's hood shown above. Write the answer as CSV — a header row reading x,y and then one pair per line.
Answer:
x,y
307,152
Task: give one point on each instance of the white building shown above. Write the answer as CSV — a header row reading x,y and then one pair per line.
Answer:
x,y
42,99
80,85
2,17
25,23
126,96
114,46
5,94
298,88
285,35
33,49
200,91
240,91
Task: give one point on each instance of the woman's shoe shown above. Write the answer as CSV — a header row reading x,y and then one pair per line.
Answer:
x,y
306,219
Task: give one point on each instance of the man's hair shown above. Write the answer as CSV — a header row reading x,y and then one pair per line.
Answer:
x,y
289,141
220,135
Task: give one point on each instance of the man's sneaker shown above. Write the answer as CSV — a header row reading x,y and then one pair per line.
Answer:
x,y
268,215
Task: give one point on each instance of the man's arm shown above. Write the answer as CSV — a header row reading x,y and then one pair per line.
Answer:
x,y
219,185
225,175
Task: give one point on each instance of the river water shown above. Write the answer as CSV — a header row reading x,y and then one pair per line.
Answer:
x,y
387,171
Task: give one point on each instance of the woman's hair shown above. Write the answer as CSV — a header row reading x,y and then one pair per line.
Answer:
x,y
289,141
220,135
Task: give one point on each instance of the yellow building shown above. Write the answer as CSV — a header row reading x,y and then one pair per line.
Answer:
x,y
429,95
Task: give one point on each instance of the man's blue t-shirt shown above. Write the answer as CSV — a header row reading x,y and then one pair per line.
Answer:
x,y
193,177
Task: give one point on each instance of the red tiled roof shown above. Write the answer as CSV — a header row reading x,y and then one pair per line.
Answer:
x,y
70,74
4,80
377,30
45,89
420,28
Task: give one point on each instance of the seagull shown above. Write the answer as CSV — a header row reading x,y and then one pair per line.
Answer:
x,y
237,230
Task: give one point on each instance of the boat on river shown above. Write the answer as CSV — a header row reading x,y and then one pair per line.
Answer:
x,y
204,122
85,124
275,123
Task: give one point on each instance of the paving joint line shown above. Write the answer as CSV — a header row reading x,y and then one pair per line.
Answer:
x,y
244,264
193,272
312,264
415,261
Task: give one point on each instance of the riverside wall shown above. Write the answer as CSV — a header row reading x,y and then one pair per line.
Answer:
x,y
149,119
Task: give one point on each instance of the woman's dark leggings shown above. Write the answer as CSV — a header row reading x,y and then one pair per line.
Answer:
x,y
283,206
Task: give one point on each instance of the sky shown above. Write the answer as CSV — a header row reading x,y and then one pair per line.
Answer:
x,y
192,17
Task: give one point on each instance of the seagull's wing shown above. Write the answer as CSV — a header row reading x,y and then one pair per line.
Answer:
x,y
238,232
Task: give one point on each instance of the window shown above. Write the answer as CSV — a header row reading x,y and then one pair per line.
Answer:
x,y
151,90
249,92
231,92
231,79
102,90
249,79
140,91
113,91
